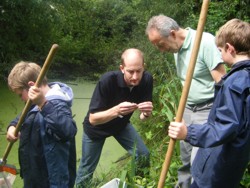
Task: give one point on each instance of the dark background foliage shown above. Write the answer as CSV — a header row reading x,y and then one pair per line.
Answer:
x,y
93,33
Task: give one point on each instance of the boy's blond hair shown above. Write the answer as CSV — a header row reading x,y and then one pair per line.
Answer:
x,y
237,33
22,73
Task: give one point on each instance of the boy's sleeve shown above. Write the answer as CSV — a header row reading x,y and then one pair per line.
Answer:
x,y
13,122
223,124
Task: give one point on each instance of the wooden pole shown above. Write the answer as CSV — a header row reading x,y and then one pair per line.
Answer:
x,y
185,90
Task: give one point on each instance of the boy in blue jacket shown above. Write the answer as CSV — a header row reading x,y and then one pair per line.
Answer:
x,y
47,153
224,140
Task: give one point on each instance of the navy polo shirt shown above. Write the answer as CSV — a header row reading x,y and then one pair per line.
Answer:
x,y
110,91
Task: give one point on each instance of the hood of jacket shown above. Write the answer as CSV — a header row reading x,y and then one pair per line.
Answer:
x,y
60,91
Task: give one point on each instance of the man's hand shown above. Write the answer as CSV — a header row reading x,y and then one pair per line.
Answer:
x,y
11,134
125,108
145,109
119,110
177,130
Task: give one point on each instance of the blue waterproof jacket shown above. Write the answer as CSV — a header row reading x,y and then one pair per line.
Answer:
x,y
224,140
47,153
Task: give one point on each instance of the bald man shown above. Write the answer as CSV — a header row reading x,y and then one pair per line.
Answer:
x,y
116,96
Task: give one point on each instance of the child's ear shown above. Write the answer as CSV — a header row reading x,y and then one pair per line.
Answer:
x,y
30,83
230,48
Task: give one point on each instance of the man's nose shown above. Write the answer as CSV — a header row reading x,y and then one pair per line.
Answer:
x,y
135,76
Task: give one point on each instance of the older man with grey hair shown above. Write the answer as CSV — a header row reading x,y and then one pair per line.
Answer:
x,y
166,34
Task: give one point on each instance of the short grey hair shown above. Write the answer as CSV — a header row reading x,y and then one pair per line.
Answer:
x,y
163,24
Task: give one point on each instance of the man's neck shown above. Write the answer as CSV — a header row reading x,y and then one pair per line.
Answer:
x,y
181,36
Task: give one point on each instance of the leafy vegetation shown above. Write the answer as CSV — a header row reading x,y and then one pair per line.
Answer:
x,y
92,35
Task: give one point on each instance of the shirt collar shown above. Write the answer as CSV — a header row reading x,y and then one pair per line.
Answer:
x,y
188,39
120,80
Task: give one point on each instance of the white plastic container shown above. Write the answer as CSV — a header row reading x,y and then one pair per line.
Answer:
x,y
114,183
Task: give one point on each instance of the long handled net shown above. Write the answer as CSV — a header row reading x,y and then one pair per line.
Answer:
x,y
7,175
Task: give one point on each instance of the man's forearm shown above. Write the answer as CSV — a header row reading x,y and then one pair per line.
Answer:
x,y
102,117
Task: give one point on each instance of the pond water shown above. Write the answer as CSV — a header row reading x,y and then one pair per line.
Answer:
x,y
11,105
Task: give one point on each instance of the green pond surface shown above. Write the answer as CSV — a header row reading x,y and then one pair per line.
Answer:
x,y
11,106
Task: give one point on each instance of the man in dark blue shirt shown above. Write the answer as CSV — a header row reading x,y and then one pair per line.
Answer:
x,y
116,96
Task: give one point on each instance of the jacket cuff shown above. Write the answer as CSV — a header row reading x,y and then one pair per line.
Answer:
x,y
190,132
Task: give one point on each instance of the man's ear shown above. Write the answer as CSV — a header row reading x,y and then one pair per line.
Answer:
x,y
31,83
173,33
122,68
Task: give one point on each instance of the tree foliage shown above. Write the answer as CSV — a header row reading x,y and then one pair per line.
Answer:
x,y
25,29
93,33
